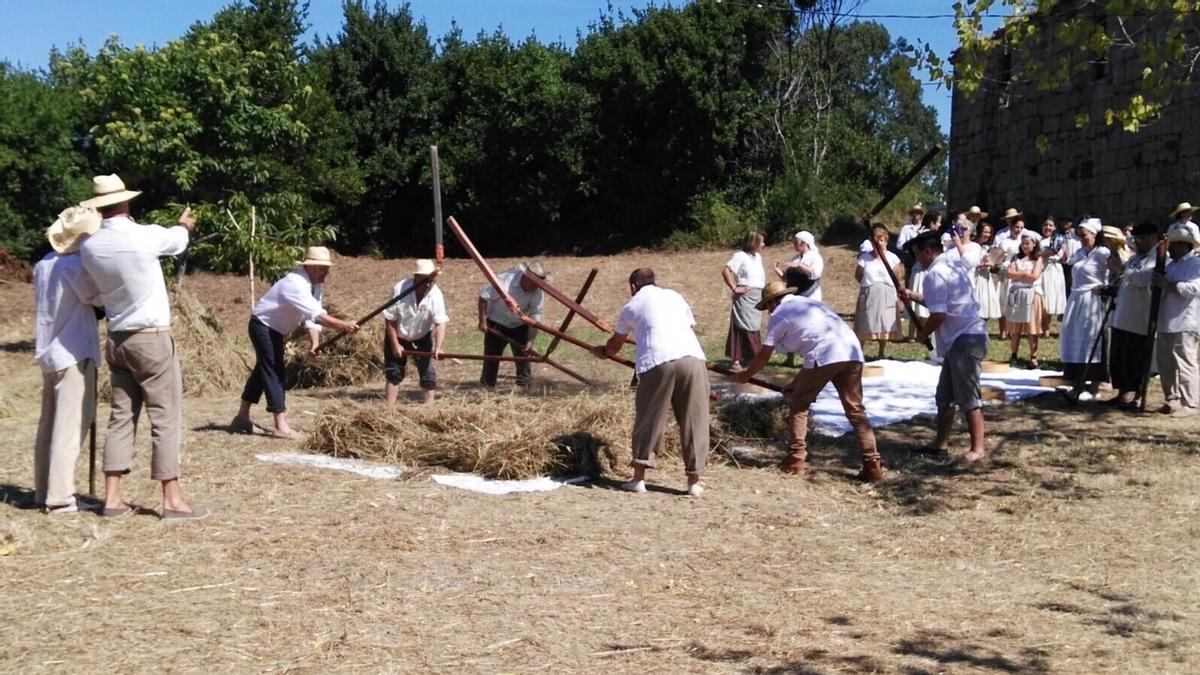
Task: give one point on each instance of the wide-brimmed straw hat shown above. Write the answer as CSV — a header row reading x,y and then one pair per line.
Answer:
x,y
1180,208
976,211
916,208
317,256
1113,234
424,266
1187,232
773,290
535,268
107,191
72,225
1012,213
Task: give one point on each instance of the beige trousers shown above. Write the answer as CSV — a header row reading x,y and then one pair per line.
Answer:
x,y
847,380
145,373
1179,367
68,406
680,386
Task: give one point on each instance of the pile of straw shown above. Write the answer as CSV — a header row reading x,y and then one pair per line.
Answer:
x,y
212,361
355,359
518,436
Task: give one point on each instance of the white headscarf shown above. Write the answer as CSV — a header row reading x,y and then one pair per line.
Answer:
x,y
806,237
1092,225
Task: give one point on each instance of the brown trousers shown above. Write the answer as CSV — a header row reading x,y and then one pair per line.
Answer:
x,y
682,387
847,379
145,373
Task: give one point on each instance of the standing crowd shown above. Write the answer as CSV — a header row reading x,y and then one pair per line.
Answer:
x,y
1120,295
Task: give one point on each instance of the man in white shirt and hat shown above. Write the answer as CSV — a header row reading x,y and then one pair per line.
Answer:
x,y
415,323
497,315
912,228
67,348
1182,213
832,353
672,376
293,300
960,337
122,259
1178,345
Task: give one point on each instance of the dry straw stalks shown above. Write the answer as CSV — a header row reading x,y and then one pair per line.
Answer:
x,y
356,359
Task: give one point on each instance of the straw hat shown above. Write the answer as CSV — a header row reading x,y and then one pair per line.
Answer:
x,y
535,268
1113,234
317,256
1180,208
72,225
107,191
1012,213
916,208
1184,232
977,212
424,267
774,289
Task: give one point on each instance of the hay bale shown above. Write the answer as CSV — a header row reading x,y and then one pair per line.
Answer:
x,y
354,360
211,360
519,436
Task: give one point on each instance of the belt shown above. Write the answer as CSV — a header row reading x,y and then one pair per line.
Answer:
x,y
151,329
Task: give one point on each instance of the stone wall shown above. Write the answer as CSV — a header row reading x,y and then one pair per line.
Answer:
x,y
1012,145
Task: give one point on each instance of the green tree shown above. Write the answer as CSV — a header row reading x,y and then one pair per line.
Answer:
x,y
41,173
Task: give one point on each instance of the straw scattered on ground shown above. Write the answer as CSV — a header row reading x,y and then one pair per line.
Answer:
x,y
355,359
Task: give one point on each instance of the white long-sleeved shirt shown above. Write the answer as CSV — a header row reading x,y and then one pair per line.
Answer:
x,y
801,325
1132,313
63,296
122,259
1180,310
291,301
529,302
907,232
661,322
413,320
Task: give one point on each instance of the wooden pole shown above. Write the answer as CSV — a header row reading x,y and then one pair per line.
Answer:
x,y
542,358
253,227
1156,293
435,170
379,310
473,357
583,291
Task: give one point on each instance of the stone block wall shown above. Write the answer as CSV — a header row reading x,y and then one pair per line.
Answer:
x,y
1012,145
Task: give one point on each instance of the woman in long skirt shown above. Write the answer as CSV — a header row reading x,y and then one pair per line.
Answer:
x,y
1083,317
1054,283
1022,306
745,277
987,276
877,315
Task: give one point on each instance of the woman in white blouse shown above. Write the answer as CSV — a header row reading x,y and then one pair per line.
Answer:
x,y
987,275
877,314
1084,315
745,277
1022,305
806,266
1054,282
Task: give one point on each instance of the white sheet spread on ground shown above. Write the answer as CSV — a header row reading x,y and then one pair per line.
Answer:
x,y
904,391
474,483
355,466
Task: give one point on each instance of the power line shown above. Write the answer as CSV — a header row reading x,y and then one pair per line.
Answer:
x,y
857,15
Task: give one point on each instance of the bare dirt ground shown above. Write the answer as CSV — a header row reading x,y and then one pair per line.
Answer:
x,y
1073,550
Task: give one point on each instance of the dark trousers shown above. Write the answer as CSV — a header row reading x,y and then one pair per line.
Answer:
x,y
1129,359
268,372
493,345
394,367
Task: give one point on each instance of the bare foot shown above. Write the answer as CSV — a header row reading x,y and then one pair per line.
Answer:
x,y
974,456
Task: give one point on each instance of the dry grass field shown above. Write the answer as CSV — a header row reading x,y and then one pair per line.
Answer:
x,y
1073,550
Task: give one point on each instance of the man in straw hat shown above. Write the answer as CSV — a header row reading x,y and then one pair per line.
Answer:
x,y
497,315
122,258
293,300
976,216
960,337
912,228
416,323
67,348
832,353
671,376
1131,347
1182,213
1179,322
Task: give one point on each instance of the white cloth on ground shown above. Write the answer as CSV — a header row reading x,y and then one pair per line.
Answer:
x,y
291,301
801,325
122,259
529,302
414,319
65,330
661,322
